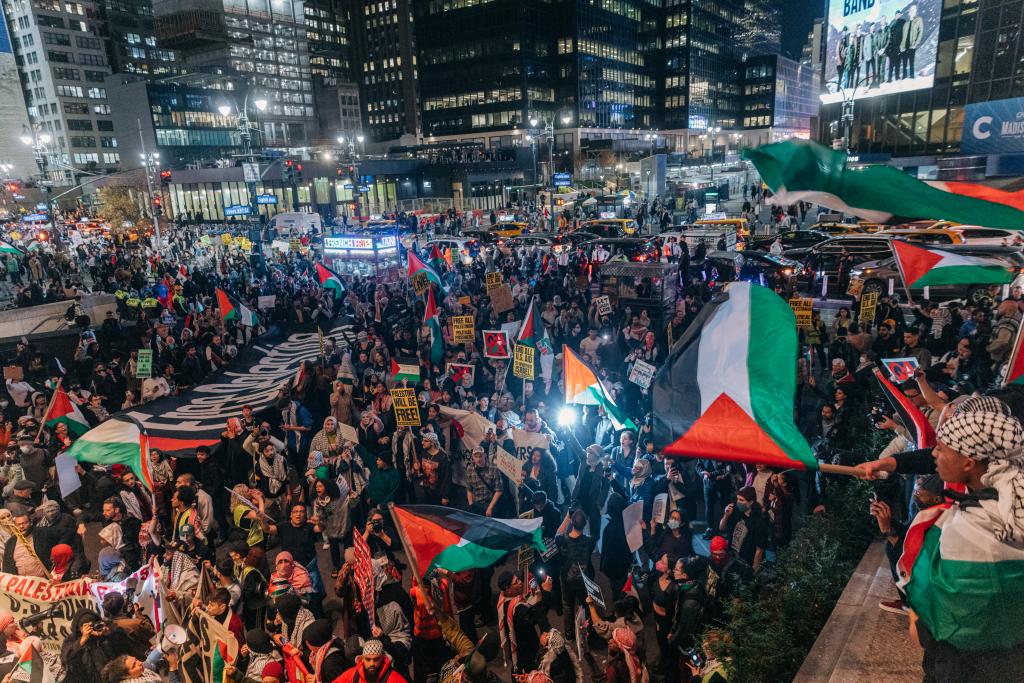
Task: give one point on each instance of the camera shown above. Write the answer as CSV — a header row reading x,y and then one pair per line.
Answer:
x,y
695,657
376,525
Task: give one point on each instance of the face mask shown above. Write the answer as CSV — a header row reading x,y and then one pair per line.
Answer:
x,y
25,448
661,566
673,524
742,507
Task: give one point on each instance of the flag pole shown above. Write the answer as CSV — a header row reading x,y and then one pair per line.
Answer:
x,y
829,468
410,554
903,276
42,423
1012,360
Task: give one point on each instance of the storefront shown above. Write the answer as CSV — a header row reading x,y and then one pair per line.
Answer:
x,y
366,255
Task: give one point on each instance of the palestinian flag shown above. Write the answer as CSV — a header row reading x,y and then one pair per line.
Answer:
x,y
921,431
727,387
989,194
436,259
63,410
965,585
233,310
32,664
928,267
8,248
455,540
118,441
431,320
329,280
532,333
219,661
416,267
584,387
800,170
400,371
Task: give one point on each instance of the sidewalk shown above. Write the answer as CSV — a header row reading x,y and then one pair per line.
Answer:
x,y
861,642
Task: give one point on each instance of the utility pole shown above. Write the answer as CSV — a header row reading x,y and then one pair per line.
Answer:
x,y
148,164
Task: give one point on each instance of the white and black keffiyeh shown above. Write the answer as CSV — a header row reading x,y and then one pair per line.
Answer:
x,y
998,440
983,404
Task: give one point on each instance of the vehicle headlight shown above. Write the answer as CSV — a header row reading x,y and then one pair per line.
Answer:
x,y
856,272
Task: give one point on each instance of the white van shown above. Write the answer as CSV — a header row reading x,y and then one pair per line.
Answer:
x,y
288,225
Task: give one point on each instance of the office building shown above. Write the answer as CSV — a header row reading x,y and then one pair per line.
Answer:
x,y
131,39
262,42
778,98
758,28
335,92
13,115
60,52
813,53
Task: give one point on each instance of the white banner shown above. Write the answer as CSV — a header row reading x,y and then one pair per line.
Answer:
x,y
527,441
510,466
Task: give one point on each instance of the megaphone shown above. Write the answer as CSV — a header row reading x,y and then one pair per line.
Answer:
x,y
172,636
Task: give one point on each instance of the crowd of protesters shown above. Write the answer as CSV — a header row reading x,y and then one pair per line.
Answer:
x,y
279,546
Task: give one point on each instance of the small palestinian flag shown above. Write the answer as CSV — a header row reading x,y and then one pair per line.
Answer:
x,y
8,248
405,371
220,659
118,441
416,267
232,310
584,387
730,384
32,664
329,280
496,344
436,259
63,410
921,431
928,267
431,320
807,171
454,540
532,333
459,371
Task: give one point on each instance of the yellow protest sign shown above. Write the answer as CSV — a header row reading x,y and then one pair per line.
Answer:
x,y
494,280
522,361
420,283
225,238
294,244
802,309
868,306
407,412
462,329
465,301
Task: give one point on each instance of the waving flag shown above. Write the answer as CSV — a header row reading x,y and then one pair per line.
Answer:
x,y
63,410
727,388
584,387
33,667
927,267
807,171
416,267
430,319
330,281
451,539
922,434
8,248
230,309
436,260
118,441
405,370
989,194
532,333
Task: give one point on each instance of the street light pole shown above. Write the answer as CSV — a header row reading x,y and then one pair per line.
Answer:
x,y
349,144
39,140
548,131
245,135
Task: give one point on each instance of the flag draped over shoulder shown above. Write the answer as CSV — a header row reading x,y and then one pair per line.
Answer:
x,y
798,170
583,387
726,390
928,267
455,540
118,441
532,333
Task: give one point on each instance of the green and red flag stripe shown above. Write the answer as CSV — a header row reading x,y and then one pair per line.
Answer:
x,y
989,194
928,267
417,266
63,410
118,441
921,431
330,281
432,321
730,384
532,333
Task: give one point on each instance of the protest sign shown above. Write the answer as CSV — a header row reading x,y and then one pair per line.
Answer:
x,y
407,412
642,374
525,558
294,245
67,475
420,283
901,369
363,574
15,373
494,280
144,364
205,637
465,301
604,305
593,590
460,371
501,299
462,329
25,596
525,442
868,306
266,301
631,518
855,287
522,361
802,308
510,465
496,344
660,508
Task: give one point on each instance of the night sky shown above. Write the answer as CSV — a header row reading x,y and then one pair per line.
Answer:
x,y
797,17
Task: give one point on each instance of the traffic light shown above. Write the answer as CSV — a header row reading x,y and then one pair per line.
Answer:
x,y
165,176
158,209
289,171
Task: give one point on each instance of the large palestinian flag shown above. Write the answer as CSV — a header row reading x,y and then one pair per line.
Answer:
x,y
416,267
966,586
727,388
63,410
455,540
989,194
230,309
928,267
583,387
118,441
330,281
532,333
922,434
799,170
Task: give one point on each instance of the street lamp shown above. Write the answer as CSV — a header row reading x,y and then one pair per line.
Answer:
x,y
39,140
348,153
548,131
245,134
150,161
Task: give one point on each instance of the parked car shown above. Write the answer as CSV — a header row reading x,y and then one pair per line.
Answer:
x,y
752,266
624,249
791,239
466,247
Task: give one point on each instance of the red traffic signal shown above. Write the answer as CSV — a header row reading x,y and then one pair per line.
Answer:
x,y
156,201
165,176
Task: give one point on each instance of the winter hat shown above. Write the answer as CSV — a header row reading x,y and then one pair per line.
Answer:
x,y
748,493
373,648
718,544
318,633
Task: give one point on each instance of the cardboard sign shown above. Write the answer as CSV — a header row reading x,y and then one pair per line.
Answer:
x,y
420,283
15,373
510,466
460,371
631,518
501,299
604,305
901,369
593,590
266,301
522,361
868,306
407,412
642,374
463,331
660,509
802,308
465,301
494,280
144,364
855,287
496,344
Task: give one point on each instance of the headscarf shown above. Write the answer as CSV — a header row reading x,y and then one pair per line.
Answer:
x,y
626,640
261,653
297,577
997,440
48,512
595,454
640,477
61,556
111,534
393,624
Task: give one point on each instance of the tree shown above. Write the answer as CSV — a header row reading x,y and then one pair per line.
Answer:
x,y
119,206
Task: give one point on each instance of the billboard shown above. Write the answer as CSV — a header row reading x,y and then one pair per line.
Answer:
x,y
994,127
879,47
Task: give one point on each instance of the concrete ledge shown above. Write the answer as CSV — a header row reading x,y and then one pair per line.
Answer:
x,y
861,642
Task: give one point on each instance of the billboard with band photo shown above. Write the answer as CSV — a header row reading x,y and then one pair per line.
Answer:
x,y
879,47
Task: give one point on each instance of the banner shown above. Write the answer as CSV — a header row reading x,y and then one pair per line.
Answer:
x,y
205,637
526,442
142,585
496,344
407,411
522,361
642,374
510,466
177,425
462,329
25,596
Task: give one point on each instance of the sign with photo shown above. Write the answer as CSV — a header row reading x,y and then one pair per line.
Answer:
x,y
460,371
407,411
642,374
496,344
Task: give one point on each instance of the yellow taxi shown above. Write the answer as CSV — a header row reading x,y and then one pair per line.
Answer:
x,y
509,229
836,229
934,236
739,224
